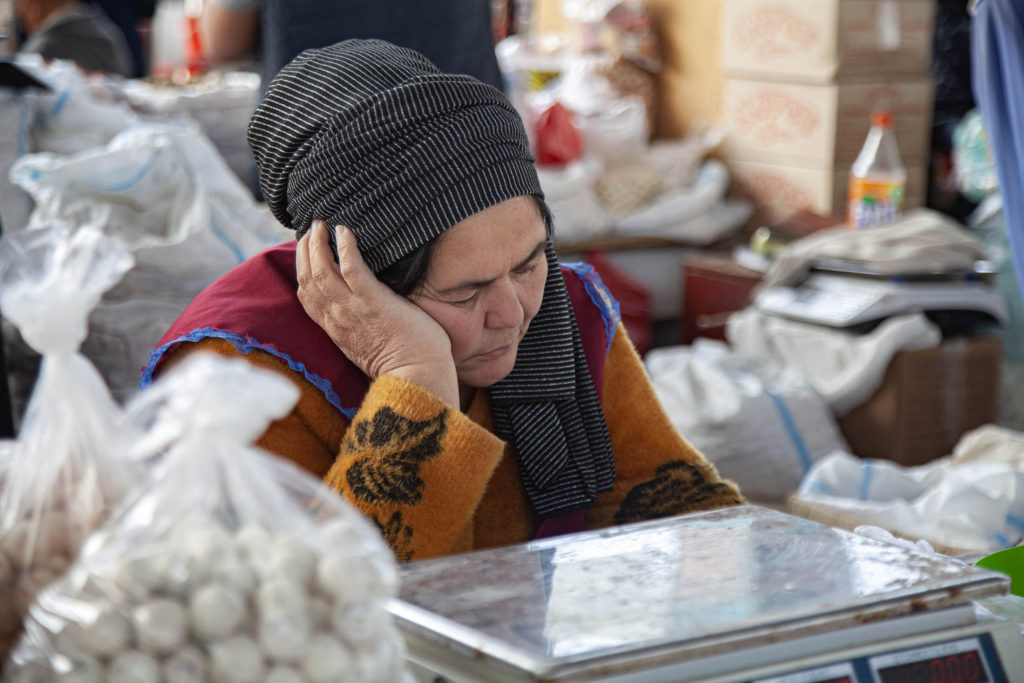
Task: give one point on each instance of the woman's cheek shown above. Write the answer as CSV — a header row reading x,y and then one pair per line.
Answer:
x,y
537,291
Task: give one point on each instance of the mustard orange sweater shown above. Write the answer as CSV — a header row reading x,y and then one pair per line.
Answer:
x,y
438,481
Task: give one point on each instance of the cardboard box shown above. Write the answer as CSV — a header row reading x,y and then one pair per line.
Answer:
x,y
822,125
778,191
819,41
690,79
928,400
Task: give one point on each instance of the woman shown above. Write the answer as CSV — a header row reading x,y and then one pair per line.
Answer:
x,y
458,385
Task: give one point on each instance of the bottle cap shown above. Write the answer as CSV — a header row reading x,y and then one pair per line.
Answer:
x,y
880,118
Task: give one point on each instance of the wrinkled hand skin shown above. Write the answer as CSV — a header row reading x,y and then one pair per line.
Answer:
x,y
378,330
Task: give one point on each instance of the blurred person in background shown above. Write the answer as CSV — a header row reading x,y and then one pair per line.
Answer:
x,y
953,98
455,35
68,29
132,18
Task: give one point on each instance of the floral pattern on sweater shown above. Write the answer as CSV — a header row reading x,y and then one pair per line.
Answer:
x,y
676,488
392,448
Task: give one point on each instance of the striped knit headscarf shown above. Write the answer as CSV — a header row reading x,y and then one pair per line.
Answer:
x,y
374,137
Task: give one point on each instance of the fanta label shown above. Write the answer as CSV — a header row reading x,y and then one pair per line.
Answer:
x,y
873,202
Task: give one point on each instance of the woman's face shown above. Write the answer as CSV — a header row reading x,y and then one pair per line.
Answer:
x,y
484,284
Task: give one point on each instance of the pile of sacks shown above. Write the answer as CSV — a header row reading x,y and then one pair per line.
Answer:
x,y
141,169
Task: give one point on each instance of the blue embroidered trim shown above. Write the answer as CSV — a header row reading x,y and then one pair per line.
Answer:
x,y
246,345
600,296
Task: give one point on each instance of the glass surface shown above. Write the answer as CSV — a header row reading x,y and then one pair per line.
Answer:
x,y
680,581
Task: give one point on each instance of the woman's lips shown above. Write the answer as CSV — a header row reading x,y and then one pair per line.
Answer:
x,y
500,351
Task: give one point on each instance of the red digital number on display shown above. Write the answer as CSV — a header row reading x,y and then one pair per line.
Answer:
x,y
964,667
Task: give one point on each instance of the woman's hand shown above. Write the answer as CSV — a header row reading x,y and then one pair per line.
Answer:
x,y
381,332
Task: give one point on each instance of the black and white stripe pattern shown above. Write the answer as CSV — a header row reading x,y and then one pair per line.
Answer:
x,y
374,137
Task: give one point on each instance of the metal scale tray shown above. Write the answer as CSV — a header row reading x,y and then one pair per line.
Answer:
x,y
689,588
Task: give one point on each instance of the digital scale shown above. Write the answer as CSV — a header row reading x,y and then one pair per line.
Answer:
x,y
744,594
843,294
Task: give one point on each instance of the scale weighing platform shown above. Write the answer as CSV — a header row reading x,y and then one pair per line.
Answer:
x,y
743,594
840,294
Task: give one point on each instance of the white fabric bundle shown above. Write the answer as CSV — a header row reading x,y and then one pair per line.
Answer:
x,y
762,434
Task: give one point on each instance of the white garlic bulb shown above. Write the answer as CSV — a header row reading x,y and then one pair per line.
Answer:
x,y
359,622
132,666
216,610
283,674
187,665
321,611
210,545
237,660
326,660
284,636
164,572
252,540
341,535
84,669
160,626
333,577
239,574
282,596
288,557
105,636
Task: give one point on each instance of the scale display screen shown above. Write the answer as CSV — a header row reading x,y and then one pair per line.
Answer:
x,y
962,668
965,660
959,661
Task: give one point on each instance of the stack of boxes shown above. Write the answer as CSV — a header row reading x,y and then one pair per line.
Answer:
x,y
801,80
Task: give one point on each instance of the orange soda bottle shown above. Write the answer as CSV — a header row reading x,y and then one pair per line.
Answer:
x,y
877,179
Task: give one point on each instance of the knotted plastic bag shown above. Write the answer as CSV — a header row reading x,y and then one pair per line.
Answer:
x,y
65,472
234,566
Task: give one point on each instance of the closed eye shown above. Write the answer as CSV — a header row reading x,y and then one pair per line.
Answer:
x,y
466,302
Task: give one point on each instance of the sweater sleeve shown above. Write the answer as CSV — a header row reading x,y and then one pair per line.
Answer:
x,y
407,460
416,466
657,472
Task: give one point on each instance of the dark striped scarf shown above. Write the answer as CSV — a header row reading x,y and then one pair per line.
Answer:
x,y
374,137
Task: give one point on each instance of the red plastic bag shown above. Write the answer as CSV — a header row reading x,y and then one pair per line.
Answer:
x,y
558,141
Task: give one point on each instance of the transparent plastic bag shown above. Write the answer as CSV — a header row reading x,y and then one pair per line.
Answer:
x,y
65,472
165,191
234,565
78,112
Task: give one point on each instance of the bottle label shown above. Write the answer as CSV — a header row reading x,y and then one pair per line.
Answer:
x,y
872,202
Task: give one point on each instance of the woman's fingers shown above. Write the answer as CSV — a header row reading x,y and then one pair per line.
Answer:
x,y
325,273
354,271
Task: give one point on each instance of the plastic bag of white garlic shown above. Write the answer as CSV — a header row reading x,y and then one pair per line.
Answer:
x,y
233,565
65,472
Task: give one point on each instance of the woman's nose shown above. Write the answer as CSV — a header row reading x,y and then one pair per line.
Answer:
x,y
505,308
